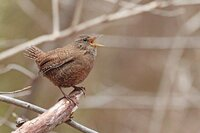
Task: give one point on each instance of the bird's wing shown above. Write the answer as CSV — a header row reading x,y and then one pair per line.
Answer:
x,y
55,59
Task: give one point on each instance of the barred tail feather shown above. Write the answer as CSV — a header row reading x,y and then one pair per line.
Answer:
x,y
33,52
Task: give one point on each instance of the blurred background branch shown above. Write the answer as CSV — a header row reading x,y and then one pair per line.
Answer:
x,y
56,18
77,12
18,68
35,14
98,20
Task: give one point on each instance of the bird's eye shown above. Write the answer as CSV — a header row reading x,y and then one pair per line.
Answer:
x,y
85,39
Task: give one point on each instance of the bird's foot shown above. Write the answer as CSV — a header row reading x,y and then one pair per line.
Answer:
x,y
76,88
68,98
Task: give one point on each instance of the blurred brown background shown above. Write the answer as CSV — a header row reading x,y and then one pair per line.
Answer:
x,y
146,79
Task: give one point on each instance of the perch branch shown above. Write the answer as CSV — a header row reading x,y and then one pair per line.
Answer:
x,y
56,115
40,110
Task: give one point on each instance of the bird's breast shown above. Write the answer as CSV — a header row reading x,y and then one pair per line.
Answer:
x,y
73,73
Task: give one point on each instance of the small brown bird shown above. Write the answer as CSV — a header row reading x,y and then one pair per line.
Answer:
x,y
67,66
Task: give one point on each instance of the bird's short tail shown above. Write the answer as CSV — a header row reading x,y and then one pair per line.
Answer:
x,y
33,52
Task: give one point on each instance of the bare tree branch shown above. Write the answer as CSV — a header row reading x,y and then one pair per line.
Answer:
x,y
167,80
12,51
4,43
36,14
101,19
85,25
19,68
8,123
192,24
116,6
22,92
184,2
164,90
40,110
56,115
151,42
56,18
77,12
168,13
4,120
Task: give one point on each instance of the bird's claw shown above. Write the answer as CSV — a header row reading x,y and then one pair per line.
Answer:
x,y
68,98
79,88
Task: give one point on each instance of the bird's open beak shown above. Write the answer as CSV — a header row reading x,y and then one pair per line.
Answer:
x,y
92,43
96,45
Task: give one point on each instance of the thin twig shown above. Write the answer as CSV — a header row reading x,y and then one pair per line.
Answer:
x,y
19,68
8,123
85,25
77,13
56,18
184,2
40,110
115,41
35,14
7,115
116,6
192,25
4,43
21,47
17,91
167,13
160,106
167,80
17,95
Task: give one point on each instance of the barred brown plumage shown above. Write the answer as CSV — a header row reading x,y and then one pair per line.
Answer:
x,y
67,66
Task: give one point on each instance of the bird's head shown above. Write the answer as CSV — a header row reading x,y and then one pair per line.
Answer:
x,y
87,41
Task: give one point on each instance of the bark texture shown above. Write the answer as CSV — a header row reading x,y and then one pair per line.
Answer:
x,y
56,115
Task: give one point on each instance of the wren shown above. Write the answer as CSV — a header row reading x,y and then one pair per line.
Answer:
x,y
69,65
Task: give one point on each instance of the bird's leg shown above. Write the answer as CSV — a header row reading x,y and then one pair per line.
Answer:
x,y
76,88
66,96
